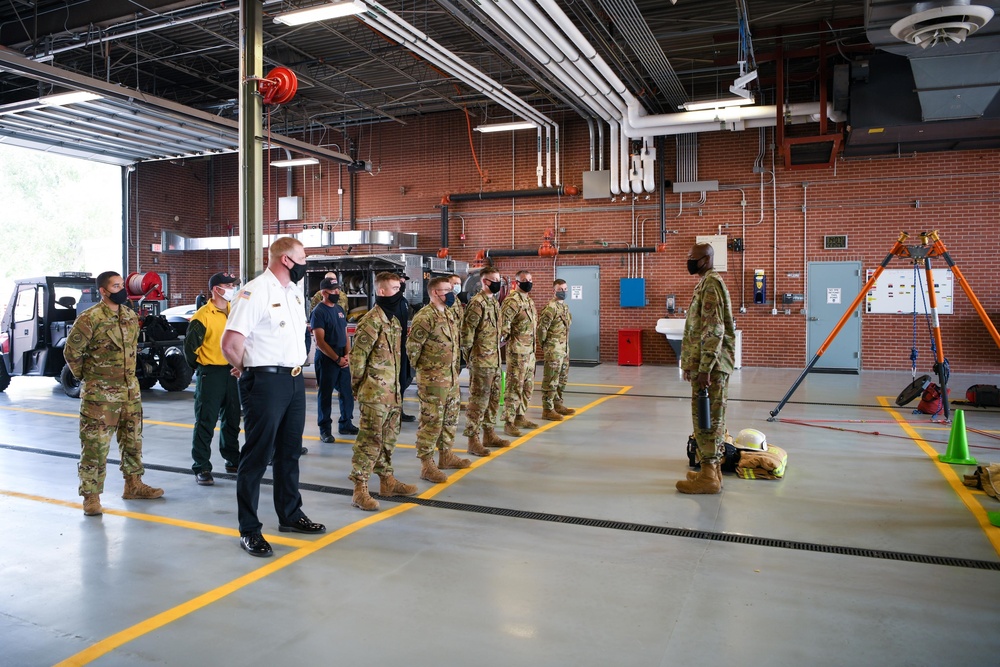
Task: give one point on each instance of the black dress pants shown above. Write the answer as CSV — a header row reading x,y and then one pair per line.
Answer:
x,y
274,415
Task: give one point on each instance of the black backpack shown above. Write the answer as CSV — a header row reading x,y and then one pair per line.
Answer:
x,y
983,395
730,460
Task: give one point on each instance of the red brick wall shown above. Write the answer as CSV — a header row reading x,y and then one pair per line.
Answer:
x,y
416,164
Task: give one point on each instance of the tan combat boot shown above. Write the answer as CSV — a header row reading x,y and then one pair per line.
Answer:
x,y
361,498
563,410
551,415
523,422
447,460
510,428
135,489
476,448
706,481
92,504
491,439
390,486
693,475
430,472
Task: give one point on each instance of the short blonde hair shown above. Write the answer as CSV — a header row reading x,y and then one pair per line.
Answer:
x,y
282,246
385,277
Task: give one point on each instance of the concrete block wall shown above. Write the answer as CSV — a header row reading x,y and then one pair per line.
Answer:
x,y
414,166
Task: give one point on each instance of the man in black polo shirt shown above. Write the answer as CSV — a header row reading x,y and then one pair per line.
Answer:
x,y
329,326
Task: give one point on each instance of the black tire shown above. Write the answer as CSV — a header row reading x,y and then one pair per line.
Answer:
x,y
4,376
176,373
69,382
146,383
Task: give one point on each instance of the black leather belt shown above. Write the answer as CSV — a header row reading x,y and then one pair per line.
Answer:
x,y
290,370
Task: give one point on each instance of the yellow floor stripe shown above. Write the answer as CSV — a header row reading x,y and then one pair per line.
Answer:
x,y
152,518
162,619
950,476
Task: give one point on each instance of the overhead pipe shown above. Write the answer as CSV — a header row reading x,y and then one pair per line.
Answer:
x,y
443,252
569,190
551,251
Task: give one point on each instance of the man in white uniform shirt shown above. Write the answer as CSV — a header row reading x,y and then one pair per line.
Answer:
x,y
264,341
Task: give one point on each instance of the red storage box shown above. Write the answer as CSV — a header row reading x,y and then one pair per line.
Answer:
x,y
630,347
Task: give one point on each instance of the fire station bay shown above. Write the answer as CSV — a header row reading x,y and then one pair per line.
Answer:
x,y
529,332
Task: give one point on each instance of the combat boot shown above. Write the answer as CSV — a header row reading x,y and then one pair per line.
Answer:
x,y
491,439
693,475
511,429
563,410
390,486
447,460
475,447
430,471
551,415
135,489
361,498
92,504
523,422
706,481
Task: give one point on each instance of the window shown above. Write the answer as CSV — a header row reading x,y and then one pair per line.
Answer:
x,y
24,309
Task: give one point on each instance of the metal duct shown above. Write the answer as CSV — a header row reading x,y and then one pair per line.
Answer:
x,y
953,80
310,238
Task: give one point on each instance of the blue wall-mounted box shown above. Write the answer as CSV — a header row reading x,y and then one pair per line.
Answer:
x,y
632,292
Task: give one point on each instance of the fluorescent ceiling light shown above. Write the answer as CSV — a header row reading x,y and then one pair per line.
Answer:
x,y
330,10
717,104
295,162
63,99
507,127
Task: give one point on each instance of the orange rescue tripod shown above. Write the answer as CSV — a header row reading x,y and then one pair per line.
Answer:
x,y
930,246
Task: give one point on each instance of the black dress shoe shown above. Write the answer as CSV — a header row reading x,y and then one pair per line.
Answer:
x,y
255,545
350,429
407,418
303,525
303,452
326,437
231,468
204,478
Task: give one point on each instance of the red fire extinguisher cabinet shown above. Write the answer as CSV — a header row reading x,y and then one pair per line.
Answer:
x,y
630,347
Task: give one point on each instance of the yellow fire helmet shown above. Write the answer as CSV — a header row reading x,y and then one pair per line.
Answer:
x,y
751,438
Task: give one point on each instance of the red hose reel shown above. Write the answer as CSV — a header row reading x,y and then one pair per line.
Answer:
x,y
279,86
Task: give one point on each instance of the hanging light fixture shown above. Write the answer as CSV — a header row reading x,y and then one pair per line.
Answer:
x,y
295,162
328,10
507,127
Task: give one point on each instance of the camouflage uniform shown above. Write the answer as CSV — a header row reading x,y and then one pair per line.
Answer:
x,y
553,335
433,350
481,346
101,352
375,384
517,325
709,346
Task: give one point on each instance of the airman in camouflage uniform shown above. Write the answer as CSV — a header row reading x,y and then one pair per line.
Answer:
x,y
517,326
433,348
553,336
375,383
101,352
457,308
707,359
481,347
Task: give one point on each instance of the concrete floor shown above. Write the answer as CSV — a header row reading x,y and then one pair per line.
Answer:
x,y
540,555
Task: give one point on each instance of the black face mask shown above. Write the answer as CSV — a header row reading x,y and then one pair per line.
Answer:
x,y
495,286
526,286
561,296
119,298
297,272
693,266
333,298
449,299
389,303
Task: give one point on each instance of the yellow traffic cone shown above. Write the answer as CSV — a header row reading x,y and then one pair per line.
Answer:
x,y
958,444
